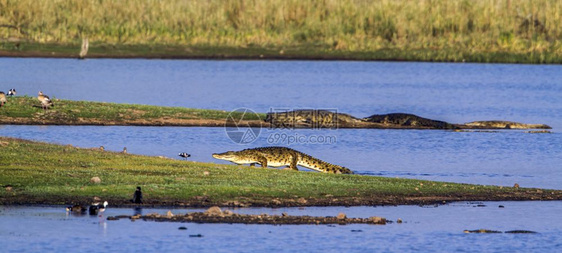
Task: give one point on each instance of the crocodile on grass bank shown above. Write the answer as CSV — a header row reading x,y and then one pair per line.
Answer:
x,y
279,157
310,119
405,119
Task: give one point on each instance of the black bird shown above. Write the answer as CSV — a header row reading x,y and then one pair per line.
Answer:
x,y
12,92
184,155
137,196
96,208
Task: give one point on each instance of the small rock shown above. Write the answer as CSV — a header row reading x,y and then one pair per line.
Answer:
x,y
399,221
356,230
182,228
284,214
276,202
97,199
341,216
378,220
500,206
214,210
197,235
302,201
8,188
95,180
228,213
169,214
516,185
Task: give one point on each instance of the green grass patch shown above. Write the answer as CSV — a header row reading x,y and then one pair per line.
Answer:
x,y
34,172
27,110
426,30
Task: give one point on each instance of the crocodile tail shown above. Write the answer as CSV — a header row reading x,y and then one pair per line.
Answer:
x,y
319,165
336,169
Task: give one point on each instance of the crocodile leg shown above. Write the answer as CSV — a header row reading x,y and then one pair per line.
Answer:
x,y
294,159
263,161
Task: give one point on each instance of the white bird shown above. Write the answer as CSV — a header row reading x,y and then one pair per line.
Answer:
x,y
45,100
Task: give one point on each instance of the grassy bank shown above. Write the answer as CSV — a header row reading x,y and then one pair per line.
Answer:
x,y
430,30
40,173
27,110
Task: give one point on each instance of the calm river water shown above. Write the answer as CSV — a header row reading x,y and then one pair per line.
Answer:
x,y
456,93
424,229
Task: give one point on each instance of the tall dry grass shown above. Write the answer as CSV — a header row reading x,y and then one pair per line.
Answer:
x,y
352,25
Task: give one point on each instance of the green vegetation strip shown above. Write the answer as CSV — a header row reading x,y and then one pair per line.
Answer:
x,y
27,110
41,173
426,30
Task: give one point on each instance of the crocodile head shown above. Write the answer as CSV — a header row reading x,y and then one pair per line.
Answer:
x,y
229,156
237,157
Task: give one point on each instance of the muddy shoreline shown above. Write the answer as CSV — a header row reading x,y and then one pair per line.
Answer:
x,y
216,215
223,123
522,194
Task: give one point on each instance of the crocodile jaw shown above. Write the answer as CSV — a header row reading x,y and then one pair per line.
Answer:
x,y
232,157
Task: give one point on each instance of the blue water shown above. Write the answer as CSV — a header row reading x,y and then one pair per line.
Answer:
x,y
456,93
424,229
452,92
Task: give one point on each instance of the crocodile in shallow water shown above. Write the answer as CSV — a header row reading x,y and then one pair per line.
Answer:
x,y
278,157
498,124
405,119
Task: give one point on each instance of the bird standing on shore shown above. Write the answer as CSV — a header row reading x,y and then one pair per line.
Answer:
x,y
137,196
184,155
45,100
12,92
2,99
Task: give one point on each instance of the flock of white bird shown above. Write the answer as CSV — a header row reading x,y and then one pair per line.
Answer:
x,y
46,102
